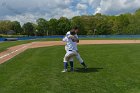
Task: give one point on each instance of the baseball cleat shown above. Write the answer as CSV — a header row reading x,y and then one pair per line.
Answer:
x,y
65,70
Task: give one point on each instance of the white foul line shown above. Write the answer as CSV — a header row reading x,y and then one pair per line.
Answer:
x,y
13,51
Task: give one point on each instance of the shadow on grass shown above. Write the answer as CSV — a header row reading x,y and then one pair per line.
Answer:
x,y
88,70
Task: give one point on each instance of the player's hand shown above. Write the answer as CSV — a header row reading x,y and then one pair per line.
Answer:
x,y
74,38
77,41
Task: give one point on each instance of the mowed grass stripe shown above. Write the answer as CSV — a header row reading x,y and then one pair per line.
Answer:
x,y
112,69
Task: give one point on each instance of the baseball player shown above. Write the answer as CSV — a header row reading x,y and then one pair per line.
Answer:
x,y
70,51
73,36
75,29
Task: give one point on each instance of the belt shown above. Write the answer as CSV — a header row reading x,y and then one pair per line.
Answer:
x,y
70,50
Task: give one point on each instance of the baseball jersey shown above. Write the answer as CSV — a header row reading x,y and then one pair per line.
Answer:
x,y
74,43
70,44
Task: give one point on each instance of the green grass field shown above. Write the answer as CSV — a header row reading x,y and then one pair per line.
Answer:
x,y
112,69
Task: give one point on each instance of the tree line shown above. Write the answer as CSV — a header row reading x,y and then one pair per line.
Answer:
x,y
124,24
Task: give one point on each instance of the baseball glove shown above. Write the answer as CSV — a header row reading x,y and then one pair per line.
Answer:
x,y
73,38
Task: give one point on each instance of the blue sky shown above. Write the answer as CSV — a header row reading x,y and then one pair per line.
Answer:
x,y
30,10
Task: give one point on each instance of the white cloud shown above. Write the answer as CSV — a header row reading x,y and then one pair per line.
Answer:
x,y
115,7
24,11
112,7
30,10
23,18
29,17
98,10
69,13
81,6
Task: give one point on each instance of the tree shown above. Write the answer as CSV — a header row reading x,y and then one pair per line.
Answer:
x,y
28,29
42,28
119,23
78,21
16,27
101,24
35,28
104,24
5,26
63,25
90,32
53,25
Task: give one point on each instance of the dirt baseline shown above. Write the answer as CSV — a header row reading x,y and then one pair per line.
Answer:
x,y
13,51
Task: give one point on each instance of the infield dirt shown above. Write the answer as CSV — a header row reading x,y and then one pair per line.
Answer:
x,y
13,51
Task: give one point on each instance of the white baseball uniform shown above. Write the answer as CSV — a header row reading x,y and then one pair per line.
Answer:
x,y
75,48
70,49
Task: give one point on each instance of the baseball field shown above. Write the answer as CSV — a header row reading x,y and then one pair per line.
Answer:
x,y
112,68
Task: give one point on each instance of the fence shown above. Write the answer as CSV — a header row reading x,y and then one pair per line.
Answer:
x,y
80,36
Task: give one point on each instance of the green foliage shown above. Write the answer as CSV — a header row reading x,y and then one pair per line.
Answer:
x,y
53,26
63,25
16,27
5,26
78,21
90,32
88,25
42,28
28,29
